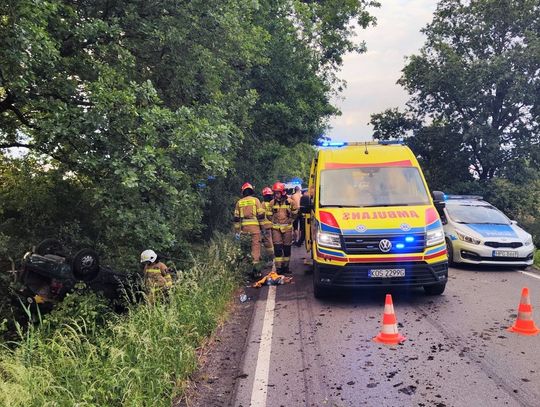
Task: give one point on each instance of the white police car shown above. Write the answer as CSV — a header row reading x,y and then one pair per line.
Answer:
x,y
478,233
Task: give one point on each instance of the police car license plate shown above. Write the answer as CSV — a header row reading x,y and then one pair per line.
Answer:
x,y
386,273
505,253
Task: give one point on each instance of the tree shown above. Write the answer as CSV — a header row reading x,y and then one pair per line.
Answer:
x,y
478,74
156,108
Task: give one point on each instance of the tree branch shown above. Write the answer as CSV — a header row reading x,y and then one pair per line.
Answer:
x,y
16,144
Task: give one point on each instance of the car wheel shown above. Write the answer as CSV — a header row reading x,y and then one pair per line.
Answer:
x,y
85,264
50,246
319,291
435,289
450,250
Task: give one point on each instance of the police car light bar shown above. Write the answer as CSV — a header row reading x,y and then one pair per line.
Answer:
x,y
476,197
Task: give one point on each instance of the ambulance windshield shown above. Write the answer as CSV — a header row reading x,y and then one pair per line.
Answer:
x,y
372,186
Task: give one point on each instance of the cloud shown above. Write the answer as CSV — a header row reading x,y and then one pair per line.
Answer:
x,y
371,77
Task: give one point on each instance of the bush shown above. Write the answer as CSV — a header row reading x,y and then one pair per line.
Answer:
x,y
83,355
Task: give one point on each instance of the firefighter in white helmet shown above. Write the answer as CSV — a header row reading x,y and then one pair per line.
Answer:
x,y
157,277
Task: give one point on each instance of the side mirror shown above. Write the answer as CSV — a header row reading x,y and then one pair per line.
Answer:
x,y
514,222
438,201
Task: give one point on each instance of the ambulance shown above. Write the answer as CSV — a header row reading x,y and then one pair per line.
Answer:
x,y
372,221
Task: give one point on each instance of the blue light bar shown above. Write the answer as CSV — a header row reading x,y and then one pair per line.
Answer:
x,y
333,144
409,239
471,197
400,246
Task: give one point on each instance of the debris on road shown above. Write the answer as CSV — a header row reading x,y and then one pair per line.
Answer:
x,y
273,278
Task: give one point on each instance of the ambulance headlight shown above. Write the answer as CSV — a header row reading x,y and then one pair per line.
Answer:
x,y
328,239
528,241
435,236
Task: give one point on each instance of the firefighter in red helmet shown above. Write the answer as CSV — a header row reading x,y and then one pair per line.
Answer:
x,y
282,211
266,225
248,216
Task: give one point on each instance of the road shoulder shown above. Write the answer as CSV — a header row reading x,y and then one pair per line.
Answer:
x,y
220,359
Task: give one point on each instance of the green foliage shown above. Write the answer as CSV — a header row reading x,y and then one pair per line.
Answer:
x,y
473,118
141,358
476,76
132,106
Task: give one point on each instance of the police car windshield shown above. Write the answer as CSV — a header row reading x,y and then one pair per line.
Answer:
x,y
372,187
476,214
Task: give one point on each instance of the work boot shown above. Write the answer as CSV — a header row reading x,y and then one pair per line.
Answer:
x,y
285,270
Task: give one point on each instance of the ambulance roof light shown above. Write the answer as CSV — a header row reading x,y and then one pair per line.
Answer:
x,y
333,144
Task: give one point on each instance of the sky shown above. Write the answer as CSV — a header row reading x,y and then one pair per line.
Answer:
x,y
371,77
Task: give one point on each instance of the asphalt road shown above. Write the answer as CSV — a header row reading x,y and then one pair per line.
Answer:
x,y
307,352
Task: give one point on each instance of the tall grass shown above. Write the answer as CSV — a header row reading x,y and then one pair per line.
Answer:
x,y
140,358
537,258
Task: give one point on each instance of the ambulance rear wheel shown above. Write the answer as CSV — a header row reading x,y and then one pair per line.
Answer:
x,y
435,289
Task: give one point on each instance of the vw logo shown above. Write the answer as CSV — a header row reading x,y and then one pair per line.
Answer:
x,y
361,228
385,245
405,227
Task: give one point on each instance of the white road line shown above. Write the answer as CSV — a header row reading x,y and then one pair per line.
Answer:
x,y
262,370
530,274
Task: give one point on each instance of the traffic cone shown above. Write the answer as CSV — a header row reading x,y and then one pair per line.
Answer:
x,y
389,333
524,324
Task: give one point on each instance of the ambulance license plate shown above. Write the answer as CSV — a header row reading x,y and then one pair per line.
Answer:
x,y
386,273
505,253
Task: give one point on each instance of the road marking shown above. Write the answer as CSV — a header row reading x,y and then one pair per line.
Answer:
x,y
530,274
262,370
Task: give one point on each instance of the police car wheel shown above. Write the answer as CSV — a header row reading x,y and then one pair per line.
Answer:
x,y
450,250
435,289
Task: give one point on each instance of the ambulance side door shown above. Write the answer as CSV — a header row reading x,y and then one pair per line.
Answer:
x,y
308,216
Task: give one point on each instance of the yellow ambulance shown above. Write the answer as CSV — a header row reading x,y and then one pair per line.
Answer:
x,y
372,221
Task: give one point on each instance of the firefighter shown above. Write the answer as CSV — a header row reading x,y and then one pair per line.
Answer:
x,y
282,212
266,225
157,277
248,216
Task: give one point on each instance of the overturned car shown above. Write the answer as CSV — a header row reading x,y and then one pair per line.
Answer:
x,y
48,273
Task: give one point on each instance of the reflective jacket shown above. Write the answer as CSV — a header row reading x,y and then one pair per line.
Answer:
x,y
266,223
157,275
248,212
282,214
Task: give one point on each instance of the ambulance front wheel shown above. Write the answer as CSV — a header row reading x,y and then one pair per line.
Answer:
x,y
435,289
319,291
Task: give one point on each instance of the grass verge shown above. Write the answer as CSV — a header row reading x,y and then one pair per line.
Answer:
x,y
537,259
141,358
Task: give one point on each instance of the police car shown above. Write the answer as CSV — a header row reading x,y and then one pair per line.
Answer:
x,y
478,233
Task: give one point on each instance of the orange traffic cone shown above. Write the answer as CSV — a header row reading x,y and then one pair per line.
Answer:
x,y
389,333
524,324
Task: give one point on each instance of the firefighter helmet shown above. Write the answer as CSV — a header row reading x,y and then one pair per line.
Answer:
x,y
246,186
148,256
266,191
279,187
